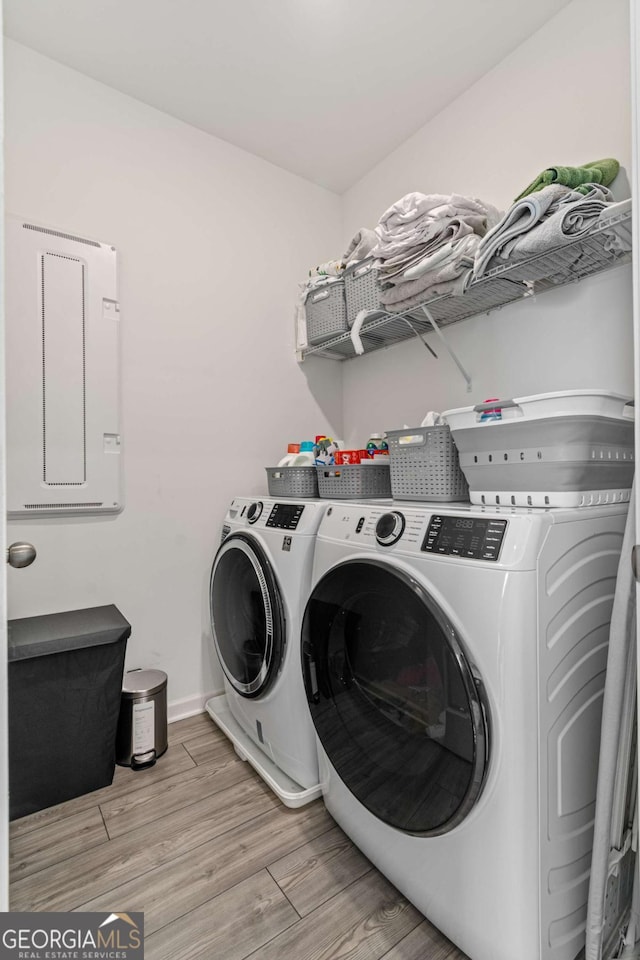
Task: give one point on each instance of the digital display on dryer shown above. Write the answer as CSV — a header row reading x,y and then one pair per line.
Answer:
x,y
285,516
471,537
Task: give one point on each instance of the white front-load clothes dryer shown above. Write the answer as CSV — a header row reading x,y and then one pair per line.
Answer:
x,y
259,585
454,661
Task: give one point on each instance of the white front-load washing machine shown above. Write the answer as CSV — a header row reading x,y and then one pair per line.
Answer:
x,y
454,661
259,586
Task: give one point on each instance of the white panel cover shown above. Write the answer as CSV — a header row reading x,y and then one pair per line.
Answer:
x,y
63,321
63,369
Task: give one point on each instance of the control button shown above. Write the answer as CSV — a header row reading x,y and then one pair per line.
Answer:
x,y
360,524
254,511
390,528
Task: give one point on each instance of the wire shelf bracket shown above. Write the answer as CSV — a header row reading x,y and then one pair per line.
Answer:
x,y
466,376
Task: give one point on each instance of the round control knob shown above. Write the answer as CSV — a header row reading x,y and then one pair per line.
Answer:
x,y
254,511
389,528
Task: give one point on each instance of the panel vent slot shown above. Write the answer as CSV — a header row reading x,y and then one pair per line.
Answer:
x,y
56,233
59,506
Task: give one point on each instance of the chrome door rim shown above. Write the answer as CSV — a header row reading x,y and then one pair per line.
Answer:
x,y
237,542
474,689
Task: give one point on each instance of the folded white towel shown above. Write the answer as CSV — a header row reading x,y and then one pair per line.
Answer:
x,y
392,269
401,217
419,218
362,243
458,262
430,262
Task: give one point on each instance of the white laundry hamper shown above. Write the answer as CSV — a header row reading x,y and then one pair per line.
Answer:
x,y
566,449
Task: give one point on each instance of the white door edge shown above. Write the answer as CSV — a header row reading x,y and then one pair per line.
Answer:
x,y
634,178
4,750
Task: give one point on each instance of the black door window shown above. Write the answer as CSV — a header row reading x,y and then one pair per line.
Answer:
x,y
393,697
246,615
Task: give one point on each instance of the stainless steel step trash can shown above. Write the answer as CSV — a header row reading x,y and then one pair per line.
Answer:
x,y
142,725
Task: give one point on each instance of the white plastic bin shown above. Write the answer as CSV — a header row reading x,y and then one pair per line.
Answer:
x,y
565,449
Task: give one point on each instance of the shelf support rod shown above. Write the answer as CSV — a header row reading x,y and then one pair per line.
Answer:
x,y
437,329
420,337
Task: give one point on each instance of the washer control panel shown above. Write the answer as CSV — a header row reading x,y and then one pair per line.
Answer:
x,y
472,537
285,516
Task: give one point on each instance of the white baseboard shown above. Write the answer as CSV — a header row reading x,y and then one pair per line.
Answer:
x,y
189,707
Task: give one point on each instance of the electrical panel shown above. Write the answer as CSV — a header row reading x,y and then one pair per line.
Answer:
x,y
62,373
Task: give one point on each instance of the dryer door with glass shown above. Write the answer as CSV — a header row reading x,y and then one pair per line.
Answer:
x,y
393,697
247,615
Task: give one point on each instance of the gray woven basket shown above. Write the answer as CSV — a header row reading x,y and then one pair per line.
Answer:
x,y
292,482
326,312
424,465
353,481
361,289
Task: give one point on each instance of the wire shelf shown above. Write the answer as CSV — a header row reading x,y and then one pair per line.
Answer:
x,y
609,245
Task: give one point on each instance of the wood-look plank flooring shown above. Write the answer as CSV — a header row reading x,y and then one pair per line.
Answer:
x,y
220,868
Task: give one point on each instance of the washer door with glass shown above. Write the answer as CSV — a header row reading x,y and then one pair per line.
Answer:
x,y
393,697
247,615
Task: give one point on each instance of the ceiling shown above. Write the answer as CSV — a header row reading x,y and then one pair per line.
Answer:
x,y
323,88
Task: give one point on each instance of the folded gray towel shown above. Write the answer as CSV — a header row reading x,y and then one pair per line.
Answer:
x,y
362,243
571,222
521,217
509,239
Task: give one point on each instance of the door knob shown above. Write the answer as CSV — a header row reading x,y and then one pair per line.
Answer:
x,y
21,554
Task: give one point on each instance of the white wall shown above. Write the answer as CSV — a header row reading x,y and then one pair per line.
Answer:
x,y
561,97
211,243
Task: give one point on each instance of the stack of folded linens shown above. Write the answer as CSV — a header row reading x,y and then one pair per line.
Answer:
x,y
542,221
426,247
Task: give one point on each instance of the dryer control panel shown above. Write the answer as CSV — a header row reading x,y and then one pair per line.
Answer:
x,y
472,537
285,516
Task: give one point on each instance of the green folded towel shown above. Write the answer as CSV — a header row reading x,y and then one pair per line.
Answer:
x,y
597,171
